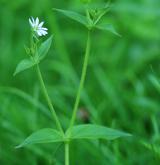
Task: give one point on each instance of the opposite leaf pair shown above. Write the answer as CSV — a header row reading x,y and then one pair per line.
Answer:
x,y
87,131
88,22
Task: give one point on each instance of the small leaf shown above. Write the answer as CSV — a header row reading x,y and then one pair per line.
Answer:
x,y
91,131
23,65
46,135
107,27
44,48
27,49
75,16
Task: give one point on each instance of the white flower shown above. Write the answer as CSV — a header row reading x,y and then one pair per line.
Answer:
x,y
37,26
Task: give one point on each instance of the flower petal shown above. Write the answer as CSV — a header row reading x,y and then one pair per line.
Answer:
x,y
44,28
32,19
45,32
39,33
42,32
37,26
31,23
40,25
37,22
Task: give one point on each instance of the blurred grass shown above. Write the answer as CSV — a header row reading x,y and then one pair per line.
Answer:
x,y
121,89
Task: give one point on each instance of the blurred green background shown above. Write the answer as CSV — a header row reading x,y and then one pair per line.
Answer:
x,y
121,89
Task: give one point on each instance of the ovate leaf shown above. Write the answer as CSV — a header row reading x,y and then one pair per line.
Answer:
x,y
91,131
46,135
75,16
23,65
44,48
107,27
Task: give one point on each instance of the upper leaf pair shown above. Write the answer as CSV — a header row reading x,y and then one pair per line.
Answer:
x,y
89,131
33,60
87,21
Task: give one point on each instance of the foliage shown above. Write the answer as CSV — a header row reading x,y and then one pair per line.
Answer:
x,y
121,90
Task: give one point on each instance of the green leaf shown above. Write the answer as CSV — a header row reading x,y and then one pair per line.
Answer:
x,y
46,135
91,131
73,15
44,48
23,65
107,27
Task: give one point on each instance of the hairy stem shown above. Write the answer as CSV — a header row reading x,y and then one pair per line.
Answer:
x,y
67,153
83,75
48,99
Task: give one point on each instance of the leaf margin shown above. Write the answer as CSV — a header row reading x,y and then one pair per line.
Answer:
x,y
29,140
70,132
21,65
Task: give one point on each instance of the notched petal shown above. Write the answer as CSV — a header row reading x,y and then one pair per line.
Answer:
x,y
41,24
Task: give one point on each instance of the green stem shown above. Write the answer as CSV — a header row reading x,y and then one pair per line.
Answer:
x,y
48,100
83,75
67,153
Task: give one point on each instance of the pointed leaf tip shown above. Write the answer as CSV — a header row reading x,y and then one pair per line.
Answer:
x,y
107,27
23,65
46,135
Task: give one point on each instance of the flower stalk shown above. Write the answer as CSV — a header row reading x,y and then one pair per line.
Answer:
x,y
37,31
48,99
